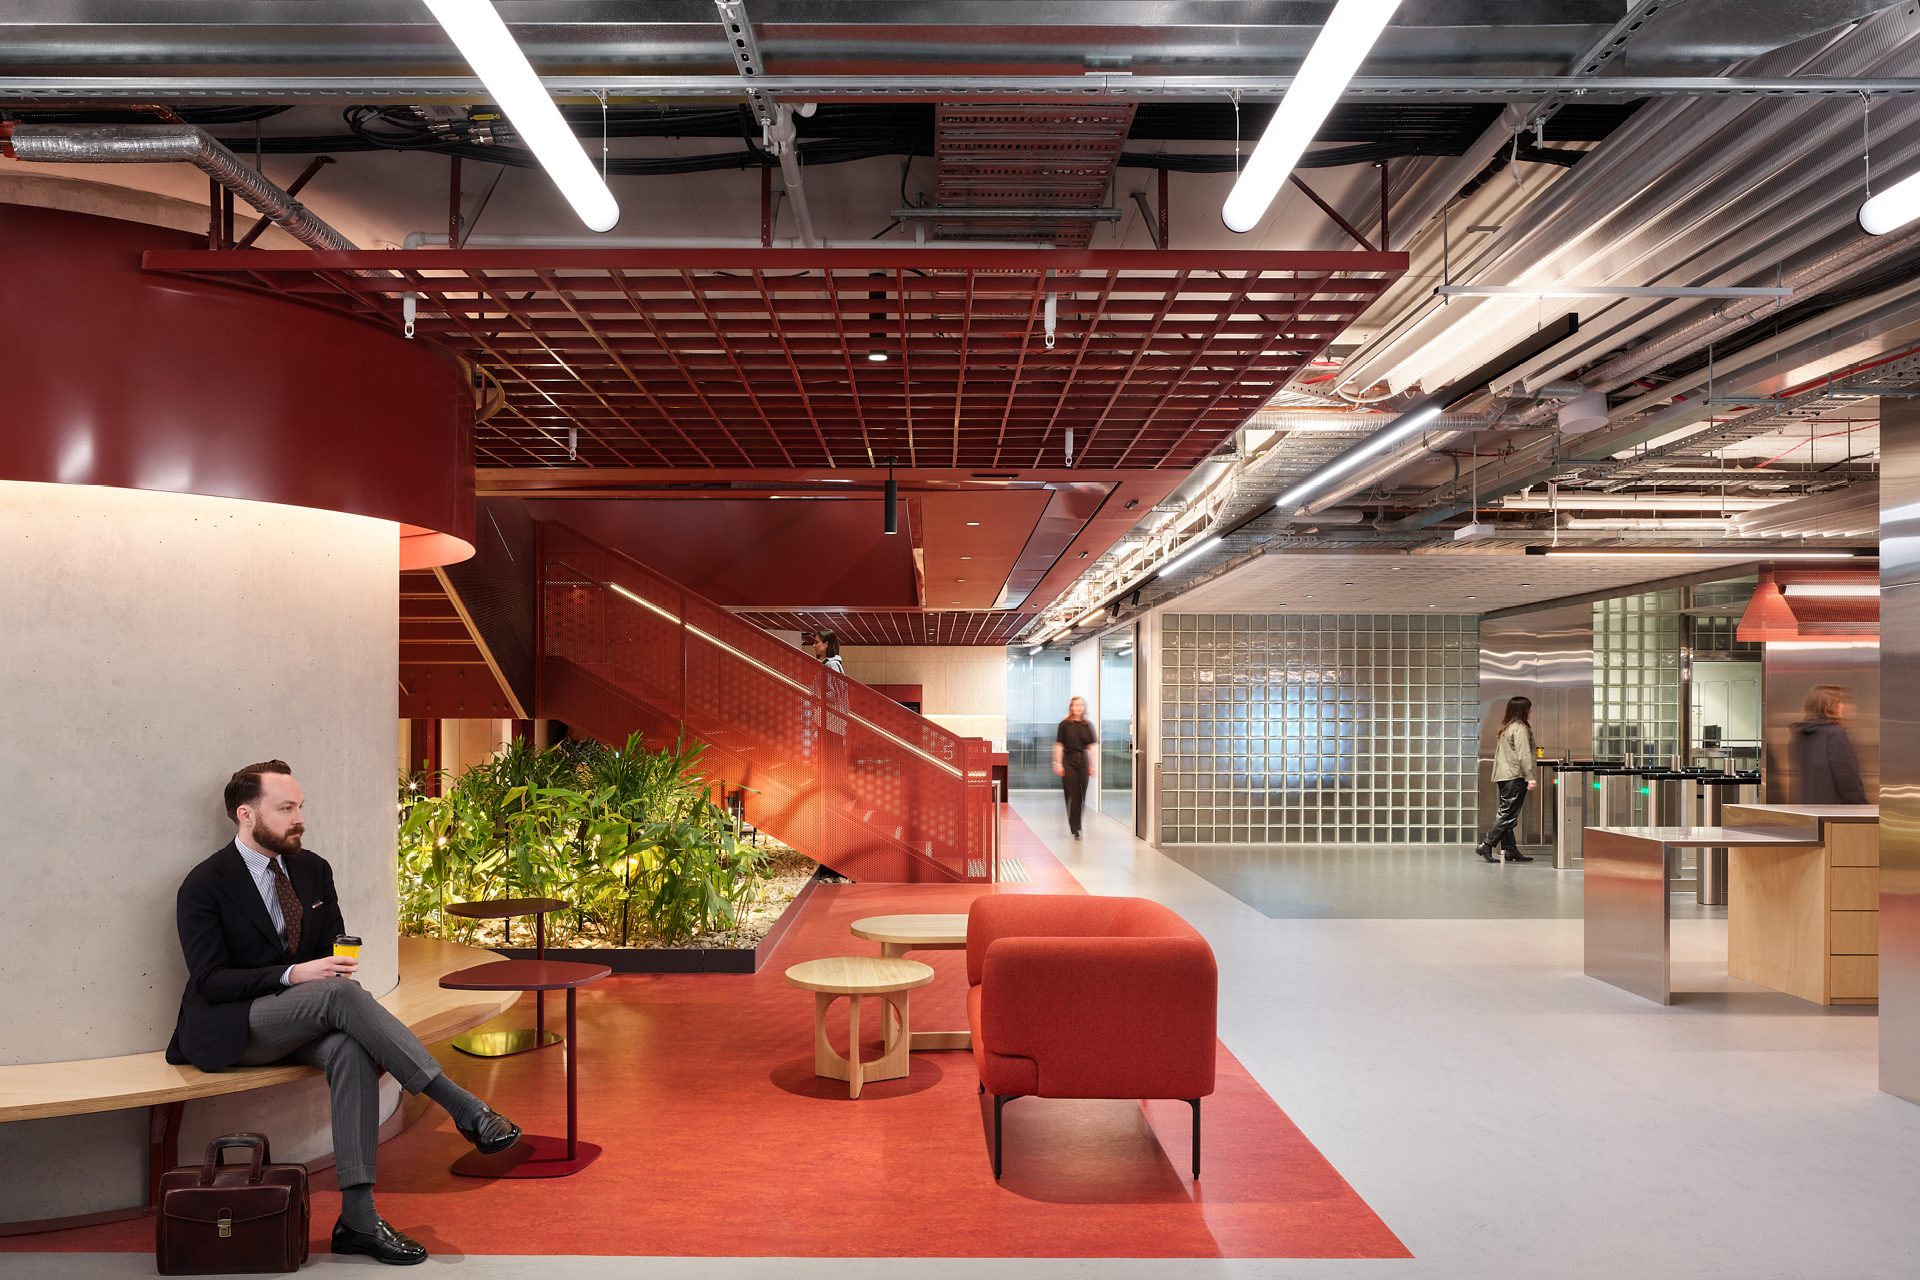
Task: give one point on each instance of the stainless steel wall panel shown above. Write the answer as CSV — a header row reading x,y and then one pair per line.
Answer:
x,y
1789,671
1545,655
1900,770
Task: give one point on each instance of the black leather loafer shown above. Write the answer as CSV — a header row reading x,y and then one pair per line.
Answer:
x,y
491,1133
383,1244
1519,857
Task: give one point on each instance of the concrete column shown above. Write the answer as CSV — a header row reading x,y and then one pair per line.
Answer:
x,y
154,643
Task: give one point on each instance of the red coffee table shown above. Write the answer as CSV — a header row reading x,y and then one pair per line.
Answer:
x,y
535,1156
501,1044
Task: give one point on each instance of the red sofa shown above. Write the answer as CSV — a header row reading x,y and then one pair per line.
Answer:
x,y
1071,996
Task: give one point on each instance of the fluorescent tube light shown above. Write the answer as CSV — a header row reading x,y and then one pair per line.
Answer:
x,y
1611,291
1188,553
1633,553
1893,208
1402,428
1337,53
1098,611
1832,590
489,48
1651,523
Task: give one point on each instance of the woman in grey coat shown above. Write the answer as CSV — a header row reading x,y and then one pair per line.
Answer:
x,y
1825,770
1512,778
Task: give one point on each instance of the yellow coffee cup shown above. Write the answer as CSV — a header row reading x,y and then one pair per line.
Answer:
x,y
347,945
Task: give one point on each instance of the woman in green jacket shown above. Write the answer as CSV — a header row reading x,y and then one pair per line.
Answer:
x,y
1512,778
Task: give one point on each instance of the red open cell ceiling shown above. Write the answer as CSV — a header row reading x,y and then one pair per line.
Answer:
x,y
708,358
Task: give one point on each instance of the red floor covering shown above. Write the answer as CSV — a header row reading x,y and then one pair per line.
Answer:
x,y
720,1140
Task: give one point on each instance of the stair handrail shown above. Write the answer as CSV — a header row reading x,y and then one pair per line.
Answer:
x,y
966,758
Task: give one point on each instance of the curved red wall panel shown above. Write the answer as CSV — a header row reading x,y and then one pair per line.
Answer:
x,y
111,375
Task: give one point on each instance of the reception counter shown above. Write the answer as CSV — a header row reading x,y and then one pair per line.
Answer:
x,y
1803,901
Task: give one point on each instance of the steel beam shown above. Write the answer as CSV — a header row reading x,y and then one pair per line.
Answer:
x,y
188,90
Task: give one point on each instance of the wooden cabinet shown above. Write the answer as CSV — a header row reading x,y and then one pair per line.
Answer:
x,y
1807,921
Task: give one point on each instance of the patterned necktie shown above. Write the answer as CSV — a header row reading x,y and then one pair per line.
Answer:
x,y
289,906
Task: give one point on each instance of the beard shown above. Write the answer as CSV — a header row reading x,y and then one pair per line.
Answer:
x,y
282,842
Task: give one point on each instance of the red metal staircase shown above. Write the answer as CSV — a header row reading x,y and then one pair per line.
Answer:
x,y
833,768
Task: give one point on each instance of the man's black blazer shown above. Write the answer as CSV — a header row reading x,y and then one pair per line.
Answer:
x,y
234,954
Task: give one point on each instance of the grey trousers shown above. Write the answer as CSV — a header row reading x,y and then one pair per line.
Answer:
x,y
337,1026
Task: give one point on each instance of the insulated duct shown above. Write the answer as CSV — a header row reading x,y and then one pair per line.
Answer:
x,y
175,144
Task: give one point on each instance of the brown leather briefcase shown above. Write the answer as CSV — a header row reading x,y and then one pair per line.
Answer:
x,y
219,1219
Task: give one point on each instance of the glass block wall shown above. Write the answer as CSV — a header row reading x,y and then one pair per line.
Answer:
x,y
1636,677
1319,728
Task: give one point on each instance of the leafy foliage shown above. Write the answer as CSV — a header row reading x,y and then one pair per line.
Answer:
x,y
630,838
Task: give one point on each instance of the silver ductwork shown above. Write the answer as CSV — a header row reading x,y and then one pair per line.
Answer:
x,y
175,144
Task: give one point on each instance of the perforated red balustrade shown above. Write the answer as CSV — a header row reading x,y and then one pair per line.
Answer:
x,y
831,767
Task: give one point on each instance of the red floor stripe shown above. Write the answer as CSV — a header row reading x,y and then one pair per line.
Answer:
x,y
720,1141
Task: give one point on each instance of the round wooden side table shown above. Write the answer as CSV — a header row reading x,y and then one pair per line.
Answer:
x,y
898,935
535,1156
854,977
504,1043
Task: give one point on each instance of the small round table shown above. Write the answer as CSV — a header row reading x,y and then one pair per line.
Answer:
x,y
898,935
535,1156
501,1044
854,977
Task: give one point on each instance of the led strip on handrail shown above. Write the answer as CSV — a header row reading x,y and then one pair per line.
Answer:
x,y
785,679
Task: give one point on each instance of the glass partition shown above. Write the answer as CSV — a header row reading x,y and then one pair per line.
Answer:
x,y
1116,712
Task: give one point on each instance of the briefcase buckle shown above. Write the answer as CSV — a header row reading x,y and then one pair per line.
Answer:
x,y
226,1223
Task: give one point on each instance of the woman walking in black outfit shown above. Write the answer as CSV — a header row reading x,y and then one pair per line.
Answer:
x,y
1512,777
1072,762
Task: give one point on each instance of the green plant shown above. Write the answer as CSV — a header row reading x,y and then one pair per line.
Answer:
x,y
629,837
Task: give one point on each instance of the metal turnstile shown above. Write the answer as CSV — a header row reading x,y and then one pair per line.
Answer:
x,y
1577,806
1714,792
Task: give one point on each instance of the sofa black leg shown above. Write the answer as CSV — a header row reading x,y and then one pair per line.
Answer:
x,y
1195,1104
1000,1101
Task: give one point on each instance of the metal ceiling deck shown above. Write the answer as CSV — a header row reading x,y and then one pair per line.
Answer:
x,y
899,626
1053,157
692,358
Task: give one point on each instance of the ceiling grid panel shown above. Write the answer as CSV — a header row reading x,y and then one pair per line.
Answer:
x,y
764,357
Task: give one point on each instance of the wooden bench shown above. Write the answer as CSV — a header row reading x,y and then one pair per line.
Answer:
x,y
43,1090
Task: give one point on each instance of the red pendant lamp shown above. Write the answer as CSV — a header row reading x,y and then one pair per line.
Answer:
x,y
1768,615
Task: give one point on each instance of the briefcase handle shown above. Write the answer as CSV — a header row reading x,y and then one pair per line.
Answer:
x,y
256,1142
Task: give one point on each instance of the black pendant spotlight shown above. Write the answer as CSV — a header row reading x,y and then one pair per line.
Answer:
x,y
893,500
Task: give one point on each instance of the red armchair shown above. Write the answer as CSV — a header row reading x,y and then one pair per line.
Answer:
x,y
1071,996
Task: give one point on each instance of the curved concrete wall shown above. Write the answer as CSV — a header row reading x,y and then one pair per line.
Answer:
x,y
154,642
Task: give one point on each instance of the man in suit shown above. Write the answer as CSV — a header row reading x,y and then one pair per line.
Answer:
x,y
257,922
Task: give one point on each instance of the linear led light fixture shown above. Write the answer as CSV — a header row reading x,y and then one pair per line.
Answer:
x,y
489,48
1420,413
1191,551
1337,53
1832,590
1403,428
1574,500
1893,208
1610,291
1655,523
1683,553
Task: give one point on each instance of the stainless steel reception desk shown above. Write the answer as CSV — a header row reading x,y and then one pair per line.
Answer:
x,y
1800,877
